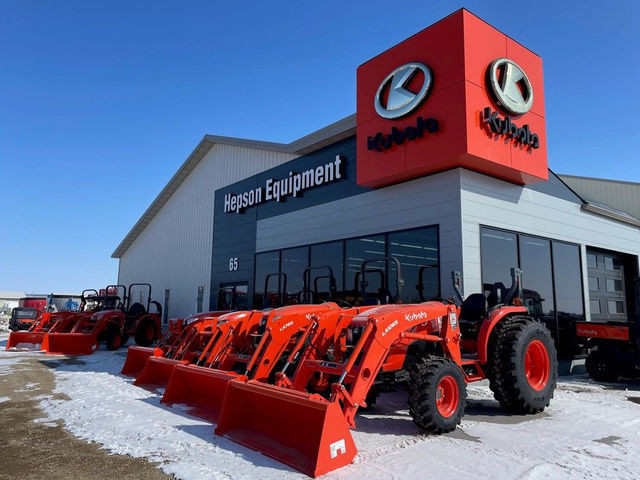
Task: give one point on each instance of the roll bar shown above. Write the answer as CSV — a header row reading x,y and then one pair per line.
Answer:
x,y
307,293
514,291
387,261
139,285
282,288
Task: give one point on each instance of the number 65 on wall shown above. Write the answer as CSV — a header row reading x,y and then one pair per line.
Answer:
x,y
233,264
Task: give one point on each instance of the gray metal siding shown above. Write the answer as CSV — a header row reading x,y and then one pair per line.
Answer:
x,y
492,202
623,196
174,250
433,200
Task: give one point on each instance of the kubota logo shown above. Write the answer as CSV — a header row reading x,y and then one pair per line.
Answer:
x,y
391,325
412,317
286,325
511,86
400,100
337,447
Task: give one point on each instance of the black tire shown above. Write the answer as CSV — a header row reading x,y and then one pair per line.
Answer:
x,y
145,333
510,340
113,337
602,365
427,376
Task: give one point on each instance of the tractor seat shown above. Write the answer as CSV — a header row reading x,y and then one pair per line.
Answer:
x,y
474,308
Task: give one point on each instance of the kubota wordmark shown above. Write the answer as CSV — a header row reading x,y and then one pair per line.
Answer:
x,y
304,421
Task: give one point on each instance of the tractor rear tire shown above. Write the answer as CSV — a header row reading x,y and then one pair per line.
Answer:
x,y
522,365
437,394
602,365
145,333
113,337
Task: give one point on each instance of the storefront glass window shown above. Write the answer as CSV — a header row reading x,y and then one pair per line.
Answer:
x,y
294,263
537,282
327,254
568,281
266,263
499,256
417,251
357,251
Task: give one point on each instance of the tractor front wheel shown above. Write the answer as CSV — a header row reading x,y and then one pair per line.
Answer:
x,y
113,337
437,394
145,333
522,365
602,365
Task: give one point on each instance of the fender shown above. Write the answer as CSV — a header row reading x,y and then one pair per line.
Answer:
x,y
488,325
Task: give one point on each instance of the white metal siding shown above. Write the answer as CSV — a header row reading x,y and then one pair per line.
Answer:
x,y
174,250
492,202
433,200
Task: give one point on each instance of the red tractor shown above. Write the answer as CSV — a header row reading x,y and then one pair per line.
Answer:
x,y
433,349
113,325
614,349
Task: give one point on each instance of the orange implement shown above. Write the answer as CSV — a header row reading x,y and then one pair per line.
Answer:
x,y
186,346
137,356
252,351
310,432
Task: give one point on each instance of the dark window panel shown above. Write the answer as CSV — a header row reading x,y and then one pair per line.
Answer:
x,y
416,250
568,281
294,262
499,256
537,281
330,254
266,264
358,250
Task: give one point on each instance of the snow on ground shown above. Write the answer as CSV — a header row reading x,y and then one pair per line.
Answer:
x,y
590,431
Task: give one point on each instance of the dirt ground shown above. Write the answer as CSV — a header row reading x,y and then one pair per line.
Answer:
x,y
35,450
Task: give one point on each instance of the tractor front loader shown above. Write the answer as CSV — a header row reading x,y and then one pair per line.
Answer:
x,y
170,342
304,421
113,325
253,351
188,345
52,322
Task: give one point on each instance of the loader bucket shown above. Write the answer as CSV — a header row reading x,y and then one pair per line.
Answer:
x,y
156,372
302,430
137,359
70,343
25,340
202,389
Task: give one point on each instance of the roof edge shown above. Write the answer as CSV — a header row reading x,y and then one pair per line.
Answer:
x,y
332,133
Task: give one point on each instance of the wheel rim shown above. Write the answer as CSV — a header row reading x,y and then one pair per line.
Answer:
x,y
447,396
537,365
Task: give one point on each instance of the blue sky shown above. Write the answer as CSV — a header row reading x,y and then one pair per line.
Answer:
x,y
100,102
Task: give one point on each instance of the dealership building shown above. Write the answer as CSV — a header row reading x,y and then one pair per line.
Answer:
x,y
443,167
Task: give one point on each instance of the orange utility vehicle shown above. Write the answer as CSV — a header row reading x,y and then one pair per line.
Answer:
x,y
304,420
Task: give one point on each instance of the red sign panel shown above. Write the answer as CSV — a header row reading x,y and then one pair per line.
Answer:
x,y
457,94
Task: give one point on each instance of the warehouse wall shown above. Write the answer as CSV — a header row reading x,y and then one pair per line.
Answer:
x,y
547,209
174,250
623,196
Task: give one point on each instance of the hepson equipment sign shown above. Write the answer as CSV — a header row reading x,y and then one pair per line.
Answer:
x,y
279,189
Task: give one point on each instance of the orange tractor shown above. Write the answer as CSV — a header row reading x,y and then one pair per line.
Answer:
x,y
304,419
50,322
112,325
